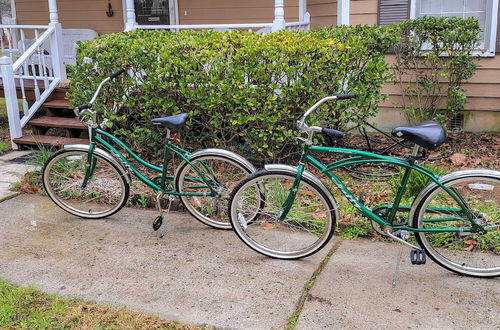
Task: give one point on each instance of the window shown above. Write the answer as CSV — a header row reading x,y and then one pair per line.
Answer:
x,y
485,11
154,12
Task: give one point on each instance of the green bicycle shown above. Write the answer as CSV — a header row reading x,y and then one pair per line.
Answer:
x,y
93,181
455,218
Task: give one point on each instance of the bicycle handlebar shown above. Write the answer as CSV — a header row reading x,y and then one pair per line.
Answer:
x,y
78,110
333,133
84,106
303,128
116,73
346,96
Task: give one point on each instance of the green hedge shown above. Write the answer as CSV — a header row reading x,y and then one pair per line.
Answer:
x,y
243,91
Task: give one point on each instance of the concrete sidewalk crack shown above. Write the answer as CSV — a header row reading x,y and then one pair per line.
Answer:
x,y
292,322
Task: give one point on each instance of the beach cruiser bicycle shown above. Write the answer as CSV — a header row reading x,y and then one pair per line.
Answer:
x,y
286,212
93,181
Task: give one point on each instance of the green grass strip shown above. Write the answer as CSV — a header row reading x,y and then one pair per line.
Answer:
x,y
309,285
29,308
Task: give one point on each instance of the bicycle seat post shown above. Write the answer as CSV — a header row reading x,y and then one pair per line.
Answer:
x,y
416,150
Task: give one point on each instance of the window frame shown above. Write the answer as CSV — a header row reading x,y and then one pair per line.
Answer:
x,y
491,28
173,12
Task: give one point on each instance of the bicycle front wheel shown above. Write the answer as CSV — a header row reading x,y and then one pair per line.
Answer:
x,y
464,251
105,192
306,229
221,175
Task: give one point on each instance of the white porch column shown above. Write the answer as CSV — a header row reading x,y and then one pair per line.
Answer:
x,y
131,23
343,12
279,16
302,9
54,17
56,42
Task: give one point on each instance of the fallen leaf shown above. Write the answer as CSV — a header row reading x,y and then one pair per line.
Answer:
x,y
458,159
268,226
469,248
471,242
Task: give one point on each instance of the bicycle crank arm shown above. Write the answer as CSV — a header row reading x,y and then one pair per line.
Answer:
x,y
388,233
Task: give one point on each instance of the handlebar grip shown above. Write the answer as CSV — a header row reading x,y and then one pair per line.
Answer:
x,y
85,106
333,133
346,96
116,73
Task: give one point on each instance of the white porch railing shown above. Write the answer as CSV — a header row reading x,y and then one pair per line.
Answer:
x,y
304,25
252,27
32,64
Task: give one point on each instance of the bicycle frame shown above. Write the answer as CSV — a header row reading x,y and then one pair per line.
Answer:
x,y
96,138
363,157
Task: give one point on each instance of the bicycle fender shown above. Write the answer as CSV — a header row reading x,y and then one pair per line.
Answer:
x,y
104,154
222,153
446,178
293,170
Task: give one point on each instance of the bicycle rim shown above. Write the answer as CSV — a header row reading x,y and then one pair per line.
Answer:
x,y
105,193
468,253
223,174
305,230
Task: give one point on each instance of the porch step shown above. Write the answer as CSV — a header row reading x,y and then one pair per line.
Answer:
x,y
48,140
61,122
57,104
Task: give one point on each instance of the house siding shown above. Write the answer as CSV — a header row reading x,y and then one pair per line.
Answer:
x,y
232,11
81,14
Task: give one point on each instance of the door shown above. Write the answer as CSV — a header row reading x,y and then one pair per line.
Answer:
x,y
153,12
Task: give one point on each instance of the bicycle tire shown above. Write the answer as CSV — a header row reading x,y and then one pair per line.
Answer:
x,y
306,229
105,194
211,211
466,253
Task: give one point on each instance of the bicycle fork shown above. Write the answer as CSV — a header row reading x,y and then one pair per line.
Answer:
x,y
287,205
89,166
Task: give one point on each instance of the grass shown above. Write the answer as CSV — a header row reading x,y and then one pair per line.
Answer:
x,y
28,308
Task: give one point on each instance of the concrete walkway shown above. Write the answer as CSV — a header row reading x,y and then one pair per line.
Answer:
x,y
12,168
199,275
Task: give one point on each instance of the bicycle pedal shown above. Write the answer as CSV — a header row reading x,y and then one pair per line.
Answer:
x,y
157,223
418,257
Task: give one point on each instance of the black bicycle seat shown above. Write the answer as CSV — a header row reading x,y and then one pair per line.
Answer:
x,y
174,123
428,134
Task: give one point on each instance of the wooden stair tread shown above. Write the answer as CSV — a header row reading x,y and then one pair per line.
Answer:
x,y
57,122
57,104
48,140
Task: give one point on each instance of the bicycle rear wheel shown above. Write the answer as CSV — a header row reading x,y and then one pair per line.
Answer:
x,y
465,252
305,230
223,174
105,193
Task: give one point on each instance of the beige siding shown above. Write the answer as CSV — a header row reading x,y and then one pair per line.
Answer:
x,y
232,11
483,96
323,12
74,14
363,12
